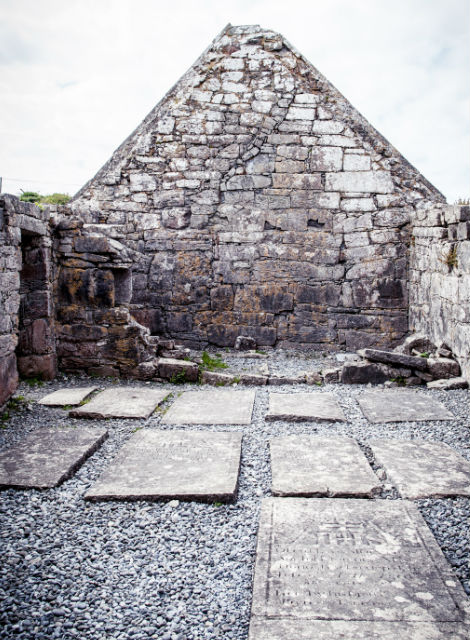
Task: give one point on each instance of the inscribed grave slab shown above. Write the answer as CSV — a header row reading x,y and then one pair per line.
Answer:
x,y
345,568
121,402
47,457
306,465
423,469
64,397
401,406
212,406
178,464
301,407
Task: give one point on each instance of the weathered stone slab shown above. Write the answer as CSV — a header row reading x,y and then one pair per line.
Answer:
x,y
331,569
301,407
221,406
67,397
47,457
304,465
121,402
189,465
401,406
391,357
423,469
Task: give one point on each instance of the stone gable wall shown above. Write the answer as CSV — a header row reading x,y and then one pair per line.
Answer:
x,y
257,201
440,277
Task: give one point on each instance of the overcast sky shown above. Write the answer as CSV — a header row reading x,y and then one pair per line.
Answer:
x,y
77,76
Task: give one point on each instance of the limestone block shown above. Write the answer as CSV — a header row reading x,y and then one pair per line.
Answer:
x,y
327,126
448,384
176,218
326,159
292,152
307,98
361,181
300,113
168,368
356,162
363,373
441,368
217,379
391,357
297,181
142,182
260,164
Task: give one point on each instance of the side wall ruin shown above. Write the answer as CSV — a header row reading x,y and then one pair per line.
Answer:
x,y
27,343
440,277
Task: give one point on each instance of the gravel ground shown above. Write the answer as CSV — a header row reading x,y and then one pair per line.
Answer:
x,y
174,570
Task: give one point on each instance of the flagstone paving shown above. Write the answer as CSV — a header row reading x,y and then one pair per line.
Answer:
x,y
121,402
212,406
423,469
173,464
401,406
67,397
47,457
367,568
300,407
346,568
306,465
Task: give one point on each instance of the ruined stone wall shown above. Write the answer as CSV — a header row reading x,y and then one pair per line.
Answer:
x,y
93,287
440,277
258,201
26,308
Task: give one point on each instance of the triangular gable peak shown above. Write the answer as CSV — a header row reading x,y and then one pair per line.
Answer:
x,y
256,75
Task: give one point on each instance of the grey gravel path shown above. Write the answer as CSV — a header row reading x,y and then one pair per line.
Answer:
x,y
173,570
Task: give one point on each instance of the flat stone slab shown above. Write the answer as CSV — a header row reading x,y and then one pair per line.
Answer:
x,y
212,406
67,397
121,402
304,465
423,469
401,406
47,457
302,407
331,569
188,465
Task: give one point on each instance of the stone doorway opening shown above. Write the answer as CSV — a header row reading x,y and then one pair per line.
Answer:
x,y
35,351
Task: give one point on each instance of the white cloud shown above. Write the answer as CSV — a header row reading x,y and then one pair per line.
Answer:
x,y
77,77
